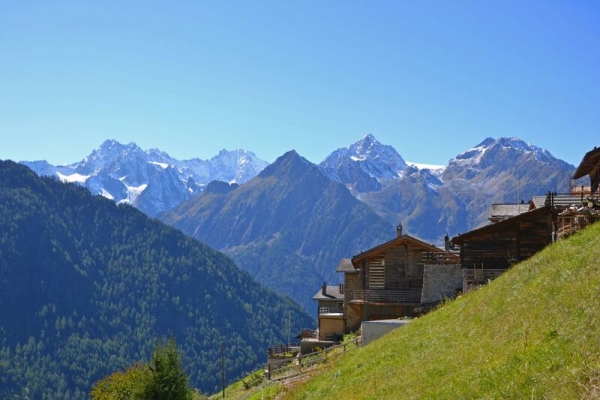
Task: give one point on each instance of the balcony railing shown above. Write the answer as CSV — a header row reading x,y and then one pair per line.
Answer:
x,y
474,278
331,309
384,296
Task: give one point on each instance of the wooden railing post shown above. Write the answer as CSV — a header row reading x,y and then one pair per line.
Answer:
x,y
269,371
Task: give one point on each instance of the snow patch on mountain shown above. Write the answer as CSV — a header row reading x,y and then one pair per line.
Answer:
x,y
77,178
133,192
107,194
434,168
160,164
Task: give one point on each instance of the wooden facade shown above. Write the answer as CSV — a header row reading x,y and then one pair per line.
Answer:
x,y
387,281
500,245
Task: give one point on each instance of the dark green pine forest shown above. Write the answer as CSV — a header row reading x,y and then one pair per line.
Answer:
x,y
88,287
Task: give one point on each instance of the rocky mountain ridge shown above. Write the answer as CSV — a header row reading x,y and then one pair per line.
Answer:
x,y
455,198
151,180
291,223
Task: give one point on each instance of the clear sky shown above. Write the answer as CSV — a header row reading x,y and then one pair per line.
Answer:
x,y
431,78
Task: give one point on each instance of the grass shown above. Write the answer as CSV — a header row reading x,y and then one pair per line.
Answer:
x,y
245,388
533,333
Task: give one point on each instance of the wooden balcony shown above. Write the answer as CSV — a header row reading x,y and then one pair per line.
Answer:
x,y
384,296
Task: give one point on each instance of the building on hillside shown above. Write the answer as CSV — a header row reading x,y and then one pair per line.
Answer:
x,y
487,252
396,279
330,312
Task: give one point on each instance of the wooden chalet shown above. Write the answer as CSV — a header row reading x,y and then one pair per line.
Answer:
x,y
488,251
387,280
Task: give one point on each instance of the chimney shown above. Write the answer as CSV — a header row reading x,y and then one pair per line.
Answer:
x,y
399,230
324,289
447,242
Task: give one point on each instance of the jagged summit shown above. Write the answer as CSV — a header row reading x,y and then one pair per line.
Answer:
x,y
491,150
364,165
151,180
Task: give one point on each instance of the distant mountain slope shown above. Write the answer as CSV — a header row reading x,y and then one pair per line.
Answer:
x,y
86,287
151,180
426,207
289,226
532,333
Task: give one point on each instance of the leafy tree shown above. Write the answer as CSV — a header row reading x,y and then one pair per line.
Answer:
x,y
129,384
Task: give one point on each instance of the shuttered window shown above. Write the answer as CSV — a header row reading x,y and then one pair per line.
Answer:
x,y
377,273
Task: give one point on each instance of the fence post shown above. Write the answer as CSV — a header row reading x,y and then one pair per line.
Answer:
x,y
269,371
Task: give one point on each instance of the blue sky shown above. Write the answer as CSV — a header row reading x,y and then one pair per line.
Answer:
x,y
431,78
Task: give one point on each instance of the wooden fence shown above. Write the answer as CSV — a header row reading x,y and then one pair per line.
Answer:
x,y
291,367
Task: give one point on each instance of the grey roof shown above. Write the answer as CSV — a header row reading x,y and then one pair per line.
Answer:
x,y
538,201
331,293
345,266
508,210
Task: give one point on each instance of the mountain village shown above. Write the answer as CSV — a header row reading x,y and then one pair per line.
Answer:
x,y
403,278
394,278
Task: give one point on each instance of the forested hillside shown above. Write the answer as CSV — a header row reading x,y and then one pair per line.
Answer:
x,y
87,287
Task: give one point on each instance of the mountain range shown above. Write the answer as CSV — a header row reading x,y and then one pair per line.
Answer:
x,y
290,223
151,180
431,202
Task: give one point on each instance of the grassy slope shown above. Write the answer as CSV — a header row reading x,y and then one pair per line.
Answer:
x,y
534,332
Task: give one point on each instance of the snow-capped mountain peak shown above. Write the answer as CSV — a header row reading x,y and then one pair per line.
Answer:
x,y
491,150
366,161
151,180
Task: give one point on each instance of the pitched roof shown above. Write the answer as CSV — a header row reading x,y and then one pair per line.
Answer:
x,y
590,160
537,202
331,293
508,210
346,266
394,242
